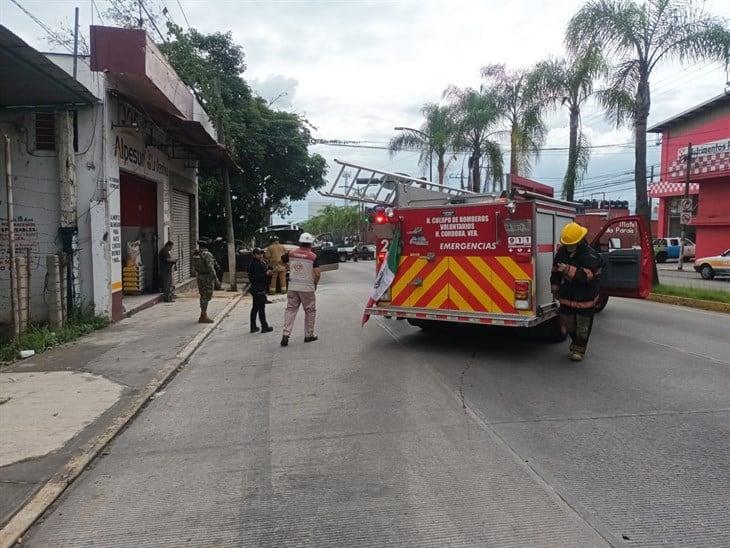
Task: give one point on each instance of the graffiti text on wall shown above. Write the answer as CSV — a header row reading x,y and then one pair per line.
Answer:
x,y
26,239
115,223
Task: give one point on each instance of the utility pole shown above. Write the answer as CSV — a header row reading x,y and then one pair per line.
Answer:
x,y
76,42
11,239
682,217
230,236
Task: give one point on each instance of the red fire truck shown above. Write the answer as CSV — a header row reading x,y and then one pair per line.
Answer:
x,y
485,258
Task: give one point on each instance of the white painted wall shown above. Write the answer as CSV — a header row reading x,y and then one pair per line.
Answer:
x,y
98,165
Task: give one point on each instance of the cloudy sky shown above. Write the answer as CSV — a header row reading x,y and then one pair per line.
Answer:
x,y
356,69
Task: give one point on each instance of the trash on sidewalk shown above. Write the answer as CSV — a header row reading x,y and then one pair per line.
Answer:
x,y
26,354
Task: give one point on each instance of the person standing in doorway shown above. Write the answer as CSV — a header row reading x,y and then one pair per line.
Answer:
x,y
274,257
167,263
258,278
304,276
204,265
575,283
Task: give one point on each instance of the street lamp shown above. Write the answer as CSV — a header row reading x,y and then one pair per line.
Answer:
x,y
427,137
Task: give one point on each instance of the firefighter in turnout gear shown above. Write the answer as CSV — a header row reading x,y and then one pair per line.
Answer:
x,y
575,283
274,254
204,265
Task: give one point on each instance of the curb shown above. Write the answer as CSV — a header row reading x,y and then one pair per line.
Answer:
x,y
58,482
712,306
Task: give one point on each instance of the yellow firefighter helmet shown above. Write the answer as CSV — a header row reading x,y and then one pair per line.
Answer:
x,y
572,234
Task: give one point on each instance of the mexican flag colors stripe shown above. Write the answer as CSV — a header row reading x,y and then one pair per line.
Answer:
x,y
386,273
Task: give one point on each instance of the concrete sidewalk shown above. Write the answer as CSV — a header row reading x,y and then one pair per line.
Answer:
x,y
55,404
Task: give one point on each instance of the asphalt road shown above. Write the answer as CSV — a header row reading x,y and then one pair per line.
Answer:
x,y
387,436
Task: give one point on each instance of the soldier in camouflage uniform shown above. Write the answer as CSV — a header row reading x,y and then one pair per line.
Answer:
x,y
204,265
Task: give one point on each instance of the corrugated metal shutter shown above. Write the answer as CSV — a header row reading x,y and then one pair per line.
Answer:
x,y
180,234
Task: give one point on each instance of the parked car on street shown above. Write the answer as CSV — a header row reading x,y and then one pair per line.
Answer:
x,y
355,252
364,252
709,267
668,248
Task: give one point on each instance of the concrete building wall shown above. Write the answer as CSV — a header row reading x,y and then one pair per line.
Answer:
x,y
99,159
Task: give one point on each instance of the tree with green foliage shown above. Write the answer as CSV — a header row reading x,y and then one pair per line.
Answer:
x,y
270,146
521,110
570,82
435,136
477,115
339,221
638,36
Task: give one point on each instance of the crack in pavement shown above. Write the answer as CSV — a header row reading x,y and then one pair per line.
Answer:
x,y
468,364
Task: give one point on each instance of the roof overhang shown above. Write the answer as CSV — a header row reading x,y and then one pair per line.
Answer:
x,y
722,99
29,79
138,71
189,135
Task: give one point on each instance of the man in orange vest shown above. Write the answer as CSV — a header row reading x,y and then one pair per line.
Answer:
x,y
304,276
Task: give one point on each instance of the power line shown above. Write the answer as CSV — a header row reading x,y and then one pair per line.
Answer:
x,y
98,13
179,5
57,39
362,144
152,20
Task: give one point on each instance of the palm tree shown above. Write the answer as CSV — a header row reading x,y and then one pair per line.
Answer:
x,y
477,114
435,137
640,35
570,83
521,110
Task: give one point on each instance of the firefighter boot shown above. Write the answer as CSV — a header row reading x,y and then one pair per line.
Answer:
x,y
577,354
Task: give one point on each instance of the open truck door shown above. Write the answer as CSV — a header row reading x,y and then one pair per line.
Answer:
x,y
626,249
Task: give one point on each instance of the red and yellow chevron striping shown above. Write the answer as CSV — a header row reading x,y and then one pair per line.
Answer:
x,y
469,284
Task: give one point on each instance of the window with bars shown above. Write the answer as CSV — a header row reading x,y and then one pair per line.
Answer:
x,y
45,130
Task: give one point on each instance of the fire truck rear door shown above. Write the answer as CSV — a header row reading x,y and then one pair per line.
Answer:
x,y
626,249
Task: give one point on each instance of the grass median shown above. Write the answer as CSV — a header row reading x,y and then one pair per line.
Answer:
x,y
40,337
701,294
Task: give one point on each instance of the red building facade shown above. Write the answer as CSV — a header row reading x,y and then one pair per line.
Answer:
x,y
706,128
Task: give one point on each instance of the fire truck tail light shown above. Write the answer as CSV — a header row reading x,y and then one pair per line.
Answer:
x,y
381,257
523,295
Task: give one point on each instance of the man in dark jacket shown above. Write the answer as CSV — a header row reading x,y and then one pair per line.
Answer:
x,y
575,283
258,278
167,263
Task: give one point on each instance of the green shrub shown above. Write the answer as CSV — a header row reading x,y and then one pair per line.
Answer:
x,y
39,337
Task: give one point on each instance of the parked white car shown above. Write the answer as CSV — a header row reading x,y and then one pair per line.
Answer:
x,y
709,267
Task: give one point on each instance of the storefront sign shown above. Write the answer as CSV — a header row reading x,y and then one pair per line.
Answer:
x,y
708,160
713,147
138,160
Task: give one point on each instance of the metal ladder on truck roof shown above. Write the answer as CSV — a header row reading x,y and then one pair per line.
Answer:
x,y
374,186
